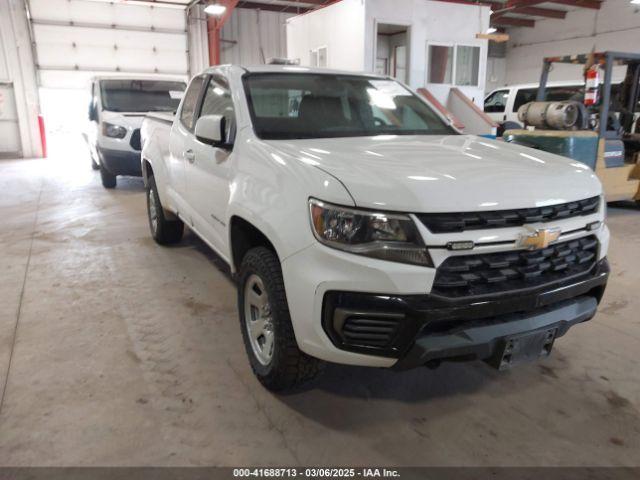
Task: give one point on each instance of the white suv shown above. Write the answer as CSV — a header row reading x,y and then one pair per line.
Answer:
x,y
364,230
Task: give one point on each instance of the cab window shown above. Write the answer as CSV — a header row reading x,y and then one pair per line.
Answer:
x,y
496,102
217,101
190,102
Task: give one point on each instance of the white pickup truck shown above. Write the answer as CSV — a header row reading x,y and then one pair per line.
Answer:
x,y
363,229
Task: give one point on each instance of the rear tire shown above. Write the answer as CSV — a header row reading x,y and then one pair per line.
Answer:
x,y
163,231
108,179
266,324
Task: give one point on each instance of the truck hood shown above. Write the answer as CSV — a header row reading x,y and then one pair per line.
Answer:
x,y
444,173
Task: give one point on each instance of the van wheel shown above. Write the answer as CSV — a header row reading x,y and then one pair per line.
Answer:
x,y
266,324
163,231
108,178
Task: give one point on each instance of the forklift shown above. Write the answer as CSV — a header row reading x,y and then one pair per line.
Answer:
x,y
601,127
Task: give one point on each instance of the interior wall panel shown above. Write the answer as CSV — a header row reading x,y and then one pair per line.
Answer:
x,y
250,37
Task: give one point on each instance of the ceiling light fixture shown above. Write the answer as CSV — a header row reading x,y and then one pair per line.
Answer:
x,y
635,2
491,30
215,9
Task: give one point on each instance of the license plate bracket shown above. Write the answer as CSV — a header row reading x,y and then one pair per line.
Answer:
x,y
524,348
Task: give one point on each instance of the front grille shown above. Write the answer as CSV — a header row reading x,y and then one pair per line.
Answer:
x,y
369,332
135,140
482,274
459,222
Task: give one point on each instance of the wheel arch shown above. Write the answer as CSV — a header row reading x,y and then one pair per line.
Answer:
x,y
147,171
243,236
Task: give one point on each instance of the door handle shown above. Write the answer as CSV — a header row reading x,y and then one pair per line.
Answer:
x,y
190,156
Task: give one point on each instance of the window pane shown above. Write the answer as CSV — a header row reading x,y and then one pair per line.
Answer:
x,y
217,101
496,102
467,65
523,96
190,101
287,106
560,94
440,64
141,95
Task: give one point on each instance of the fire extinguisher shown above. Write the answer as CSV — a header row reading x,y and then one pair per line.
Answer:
x,y
591,86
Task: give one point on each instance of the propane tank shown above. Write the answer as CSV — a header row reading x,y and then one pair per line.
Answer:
x,y
551,115
591,86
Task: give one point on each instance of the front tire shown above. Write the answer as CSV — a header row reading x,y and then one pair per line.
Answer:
x,y
108,179
266,324
163,231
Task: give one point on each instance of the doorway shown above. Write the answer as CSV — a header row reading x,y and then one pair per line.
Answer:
x,y
392,52
65,118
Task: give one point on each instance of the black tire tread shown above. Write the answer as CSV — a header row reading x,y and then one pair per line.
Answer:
x,y
108,179
292,367
169,231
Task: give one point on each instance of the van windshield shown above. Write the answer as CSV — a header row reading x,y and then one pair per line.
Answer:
x,y
308,105
141,95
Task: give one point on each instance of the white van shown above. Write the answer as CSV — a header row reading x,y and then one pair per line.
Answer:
x,y
116,110
502,104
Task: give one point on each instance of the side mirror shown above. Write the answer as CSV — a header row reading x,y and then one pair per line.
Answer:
x,y
210,129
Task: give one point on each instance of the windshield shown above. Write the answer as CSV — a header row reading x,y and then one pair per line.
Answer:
x,y
295,105
141,95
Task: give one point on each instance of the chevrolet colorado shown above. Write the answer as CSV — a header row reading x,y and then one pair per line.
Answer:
x,y
363,229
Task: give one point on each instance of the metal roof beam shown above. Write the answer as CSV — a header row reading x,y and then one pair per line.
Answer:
x,y
272,7
593,4
540,12
511,21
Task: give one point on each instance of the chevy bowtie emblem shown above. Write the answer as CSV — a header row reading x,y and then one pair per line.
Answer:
x,y
539,238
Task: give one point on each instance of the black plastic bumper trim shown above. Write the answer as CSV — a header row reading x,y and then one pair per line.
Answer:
x,y
121,162
423,315
482,341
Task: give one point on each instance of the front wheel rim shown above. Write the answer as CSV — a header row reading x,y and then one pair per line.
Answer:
x,y
258,319
153,211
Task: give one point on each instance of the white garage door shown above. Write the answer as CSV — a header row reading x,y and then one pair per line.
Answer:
x,y
76,39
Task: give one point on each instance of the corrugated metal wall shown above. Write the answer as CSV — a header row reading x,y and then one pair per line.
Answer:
x,y
251,36
19,133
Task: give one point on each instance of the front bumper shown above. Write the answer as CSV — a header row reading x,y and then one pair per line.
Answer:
x,y
418,329
121,162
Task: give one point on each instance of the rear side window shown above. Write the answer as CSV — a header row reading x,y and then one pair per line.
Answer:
x,y
561,94
524,95
190,102
552,94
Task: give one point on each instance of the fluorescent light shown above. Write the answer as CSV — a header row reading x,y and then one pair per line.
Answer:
x,y
491,30
215,9
635,2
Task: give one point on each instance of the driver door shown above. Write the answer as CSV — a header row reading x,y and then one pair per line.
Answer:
x,y
208,168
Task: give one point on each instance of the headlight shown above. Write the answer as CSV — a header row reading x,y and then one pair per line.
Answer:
x,y
385,236
113,131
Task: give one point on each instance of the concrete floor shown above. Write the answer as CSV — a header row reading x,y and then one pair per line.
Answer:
x,y
115,351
